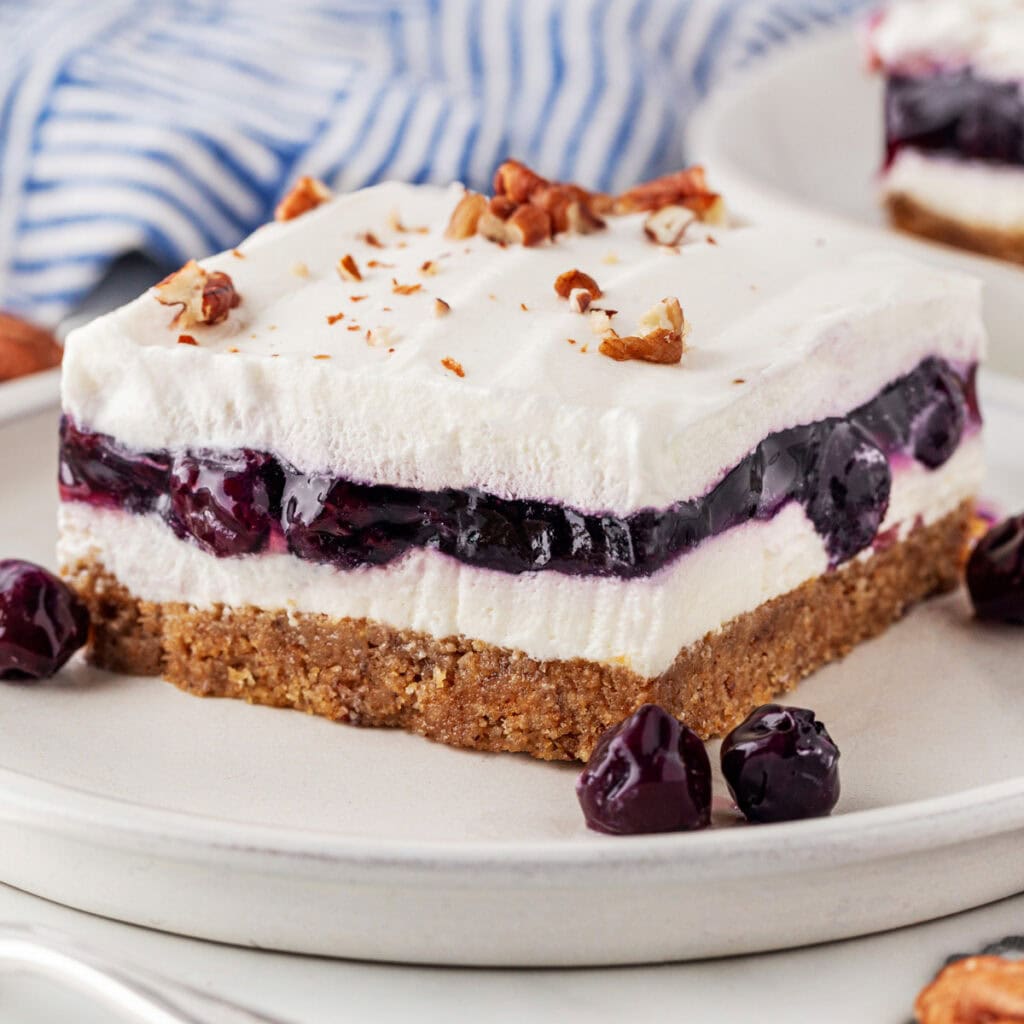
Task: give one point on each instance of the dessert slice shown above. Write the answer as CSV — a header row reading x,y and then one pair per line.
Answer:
x,y
499,471
954,121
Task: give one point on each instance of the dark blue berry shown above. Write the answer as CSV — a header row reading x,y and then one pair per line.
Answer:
x,y
995,573
42,623
852,493
227,502
649,773
780,764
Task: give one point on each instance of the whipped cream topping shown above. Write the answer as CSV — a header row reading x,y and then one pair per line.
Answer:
x,y
357,378
978,193
641,623
924,36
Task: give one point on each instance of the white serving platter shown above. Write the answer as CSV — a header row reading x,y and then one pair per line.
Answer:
x,y
801,134
129,799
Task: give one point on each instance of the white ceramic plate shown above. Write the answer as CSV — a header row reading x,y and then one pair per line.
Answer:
x,y
127,798
803,133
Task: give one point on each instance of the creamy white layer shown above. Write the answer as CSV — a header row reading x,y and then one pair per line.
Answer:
x,y
639,623
978,194
789,325
918,36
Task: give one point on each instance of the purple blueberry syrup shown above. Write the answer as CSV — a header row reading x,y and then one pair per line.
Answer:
x,y
649,773
780,765
245,502
957,114
995,573
42,623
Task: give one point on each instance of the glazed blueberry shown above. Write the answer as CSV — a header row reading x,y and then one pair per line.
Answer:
x,y
649,773
995,573
227,503
98,469
852,493
42,623
781,764
938,427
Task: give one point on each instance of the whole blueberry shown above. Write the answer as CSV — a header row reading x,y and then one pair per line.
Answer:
x,y
226,502
42,623
852,494
649,773
995,573
781,764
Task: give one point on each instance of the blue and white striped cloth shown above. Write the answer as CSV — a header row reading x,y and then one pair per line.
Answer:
x,y
173,128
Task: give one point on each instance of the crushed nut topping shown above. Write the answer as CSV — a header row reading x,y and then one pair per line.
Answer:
x,y
659,346
687,187
371,239
205,297
601,321
378,265
523,307
333,318
428,267
664,342
404,289
187,339
441,308
454,365
466,216
348,268
573,279
238,254
353,327
978,990
668,225
306,194
381,336
579,300
321,356
357,298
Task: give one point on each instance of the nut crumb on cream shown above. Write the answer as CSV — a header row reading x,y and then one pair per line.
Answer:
x,y
454,365
348,268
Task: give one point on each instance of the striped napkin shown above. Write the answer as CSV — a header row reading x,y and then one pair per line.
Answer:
x,y
173,128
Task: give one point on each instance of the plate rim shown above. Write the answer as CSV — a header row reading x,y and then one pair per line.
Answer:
x,y
854,837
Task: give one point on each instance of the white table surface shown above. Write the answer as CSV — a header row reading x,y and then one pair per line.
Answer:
x,y
872,979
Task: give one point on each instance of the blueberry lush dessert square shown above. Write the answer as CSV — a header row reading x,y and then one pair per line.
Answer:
x,y
954,121
499,470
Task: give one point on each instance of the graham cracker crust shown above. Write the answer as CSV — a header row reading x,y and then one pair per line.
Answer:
x,y
470,694
908,215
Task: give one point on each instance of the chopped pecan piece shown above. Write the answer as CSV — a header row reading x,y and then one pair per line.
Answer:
x,y
348,268
660,346
517,181
579,300
565,283
454,365
404,289
466,216
668,225
978,990
205,297
306,194
25,348
441,308
672,189
187,339
665,342
530,224
501,206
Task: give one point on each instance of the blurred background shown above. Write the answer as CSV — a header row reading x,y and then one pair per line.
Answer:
x,y
171,130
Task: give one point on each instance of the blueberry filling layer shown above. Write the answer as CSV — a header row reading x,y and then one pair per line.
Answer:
x,y
246,502
957,114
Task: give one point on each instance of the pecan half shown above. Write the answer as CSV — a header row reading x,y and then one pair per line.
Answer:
x,y
306,194
25,348
565,283
205,297
978,990
466,216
